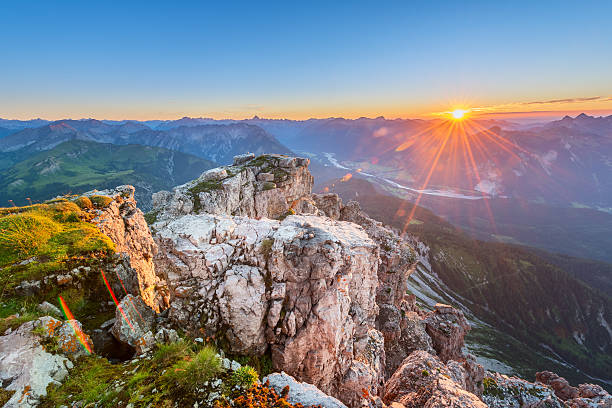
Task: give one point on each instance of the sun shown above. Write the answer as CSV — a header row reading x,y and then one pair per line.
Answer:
x,y
458,114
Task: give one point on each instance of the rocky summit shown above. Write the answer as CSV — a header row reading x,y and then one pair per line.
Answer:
x,y
244,289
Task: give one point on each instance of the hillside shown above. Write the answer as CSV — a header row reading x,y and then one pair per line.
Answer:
x,y
513,288
218,143
77,166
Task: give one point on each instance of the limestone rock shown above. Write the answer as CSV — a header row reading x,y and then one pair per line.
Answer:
x,y
424,381
583,396
71,339
48,308
300,392
404,332
447,327
26,368
134,322
560,385
261,187
125,225
512,392
304,286
242,301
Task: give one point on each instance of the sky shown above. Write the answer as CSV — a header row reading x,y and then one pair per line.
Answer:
x,y
165,60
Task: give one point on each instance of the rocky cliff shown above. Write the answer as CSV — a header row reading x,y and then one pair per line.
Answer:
x,y
247,259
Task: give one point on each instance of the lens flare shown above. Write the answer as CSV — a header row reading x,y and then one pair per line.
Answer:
x,y
77,330
448,152
110,291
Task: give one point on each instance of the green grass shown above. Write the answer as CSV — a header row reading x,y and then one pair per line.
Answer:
x,y
100,201
151,217
191,373
49,235
172,377
203,187
80,166
10,309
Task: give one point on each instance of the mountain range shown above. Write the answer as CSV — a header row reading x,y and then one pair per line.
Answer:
x,y
545,302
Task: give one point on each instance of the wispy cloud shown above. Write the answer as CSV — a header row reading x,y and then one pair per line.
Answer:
x,y
566,103
568,100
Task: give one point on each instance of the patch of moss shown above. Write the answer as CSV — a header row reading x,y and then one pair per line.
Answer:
x,y
5,395
83,202
262,364
243,378
100,201
261,161
203,187
151,217
268,185
492,389
287,213
266,248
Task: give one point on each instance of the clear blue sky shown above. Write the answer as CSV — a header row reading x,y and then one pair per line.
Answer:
x,y
235,59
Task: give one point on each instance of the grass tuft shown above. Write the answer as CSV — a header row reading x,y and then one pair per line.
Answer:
x,y
100,201
191,373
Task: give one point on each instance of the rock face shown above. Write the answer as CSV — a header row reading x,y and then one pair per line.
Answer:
x,y
403,330
134,322
424,381
263,187
301,393
304,287
583,396
447,327
25,365
512,392
125,225
322,288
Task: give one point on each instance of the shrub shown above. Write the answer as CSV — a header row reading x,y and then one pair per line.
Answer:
x,y
244,377
100,201
189,375
261,396
83,202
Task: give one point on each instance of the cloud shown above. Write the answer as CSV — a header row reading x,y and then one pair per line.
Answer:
x,y
568,100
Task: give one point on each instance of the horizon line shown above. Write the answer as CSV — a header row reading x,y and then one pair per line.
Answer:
x,y
433,116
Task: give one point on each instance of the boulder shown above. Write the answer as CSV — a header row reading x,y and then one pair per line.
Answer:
x,y
424,381
134,322
560,385
300,392
49,308
447,327
26,367
512,392
583,396
404,332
